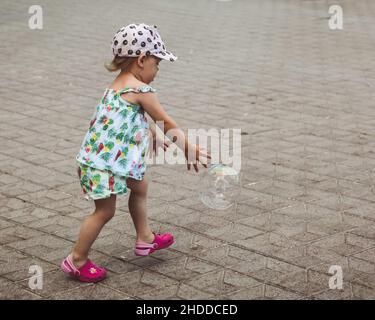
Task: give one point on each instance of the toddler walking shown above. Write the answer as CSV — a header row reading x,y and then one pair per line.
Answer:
x,y
112,157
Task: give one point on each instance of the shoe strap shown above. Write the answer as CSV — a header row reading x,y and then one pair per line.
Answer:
x,y
145,245
72,266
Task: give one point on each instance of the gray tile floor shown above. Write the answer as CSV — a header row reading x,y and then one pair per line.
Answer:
x,y
303,93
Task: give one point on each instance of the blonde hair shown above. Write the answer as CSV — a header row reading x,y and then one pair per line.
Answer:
x,y
120,63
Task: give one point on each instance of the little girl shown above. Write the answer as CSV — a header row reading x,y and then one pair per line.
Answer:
x,y
112,155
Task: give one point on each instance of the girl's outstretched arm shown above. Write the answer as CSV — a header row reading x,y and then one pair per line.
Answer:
x,y
152,106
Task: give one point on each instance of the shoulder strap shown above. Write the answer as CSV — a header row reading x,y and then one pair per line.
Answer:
x,y
141,89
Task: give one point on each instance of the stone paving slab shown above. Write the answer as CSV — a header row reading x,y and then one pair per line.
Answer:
x,y
302,95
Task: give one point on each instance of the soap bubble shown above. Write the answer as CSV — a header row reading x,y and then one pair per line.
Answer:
x,y
219,186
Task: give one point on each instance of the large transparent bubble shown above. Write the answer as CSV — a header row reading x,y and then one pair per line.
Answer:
x,y
219,187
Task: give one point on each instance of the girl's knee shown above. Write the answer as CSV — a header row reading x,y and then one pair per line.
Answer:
x,y
106,208
105,214
138,187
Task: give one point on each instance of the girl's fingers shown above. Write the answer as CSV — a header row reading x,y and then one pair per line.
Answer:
x,y
196,167
202,161
195,164
203,164
207,154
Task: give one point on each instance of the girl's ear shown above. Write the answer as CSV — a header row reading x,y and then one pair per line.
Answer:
x,y
141,59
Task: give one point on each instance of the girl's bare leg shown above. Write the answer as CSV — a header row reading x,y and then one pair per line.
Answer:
x,y
91,227
138,208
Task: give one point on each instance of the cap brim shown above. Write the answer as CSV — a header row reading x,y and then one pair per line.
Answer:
x,y
168,56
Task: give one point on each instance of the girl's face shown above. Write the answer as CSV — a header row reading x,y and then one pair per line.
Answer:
x,y
149,68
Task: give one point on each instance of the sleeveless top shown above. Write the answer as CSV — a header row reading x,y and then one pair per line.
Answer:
x,y
118,138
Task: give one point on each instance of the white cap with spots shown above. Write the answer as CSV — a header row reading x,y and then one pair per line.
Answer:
x,y
134,39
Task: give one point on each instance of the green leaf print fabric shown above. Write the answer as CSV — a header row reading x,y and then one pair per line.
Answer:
x,y
117,139
100,184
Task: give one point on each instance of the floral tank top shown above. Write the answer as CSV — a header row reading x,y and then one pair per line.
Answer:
x,y
118,138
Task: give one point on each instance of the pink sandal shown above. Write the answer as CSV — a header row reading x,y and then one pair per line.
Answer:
x,y
161,241
89,272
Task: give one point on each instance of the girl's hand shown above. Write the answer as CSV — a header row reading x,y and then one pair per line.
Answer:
x,y
158,142
193,153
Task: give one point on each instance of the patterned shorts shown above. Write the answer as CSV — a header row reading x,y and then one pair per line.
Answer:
x,y
99,184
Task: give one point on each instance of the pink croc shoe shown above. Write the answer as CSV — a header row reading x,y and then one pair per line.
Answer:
x,y
161,241
89,272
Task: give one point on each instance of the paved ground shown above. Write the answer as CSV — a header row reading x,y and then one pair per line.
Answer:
x,y
302,92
